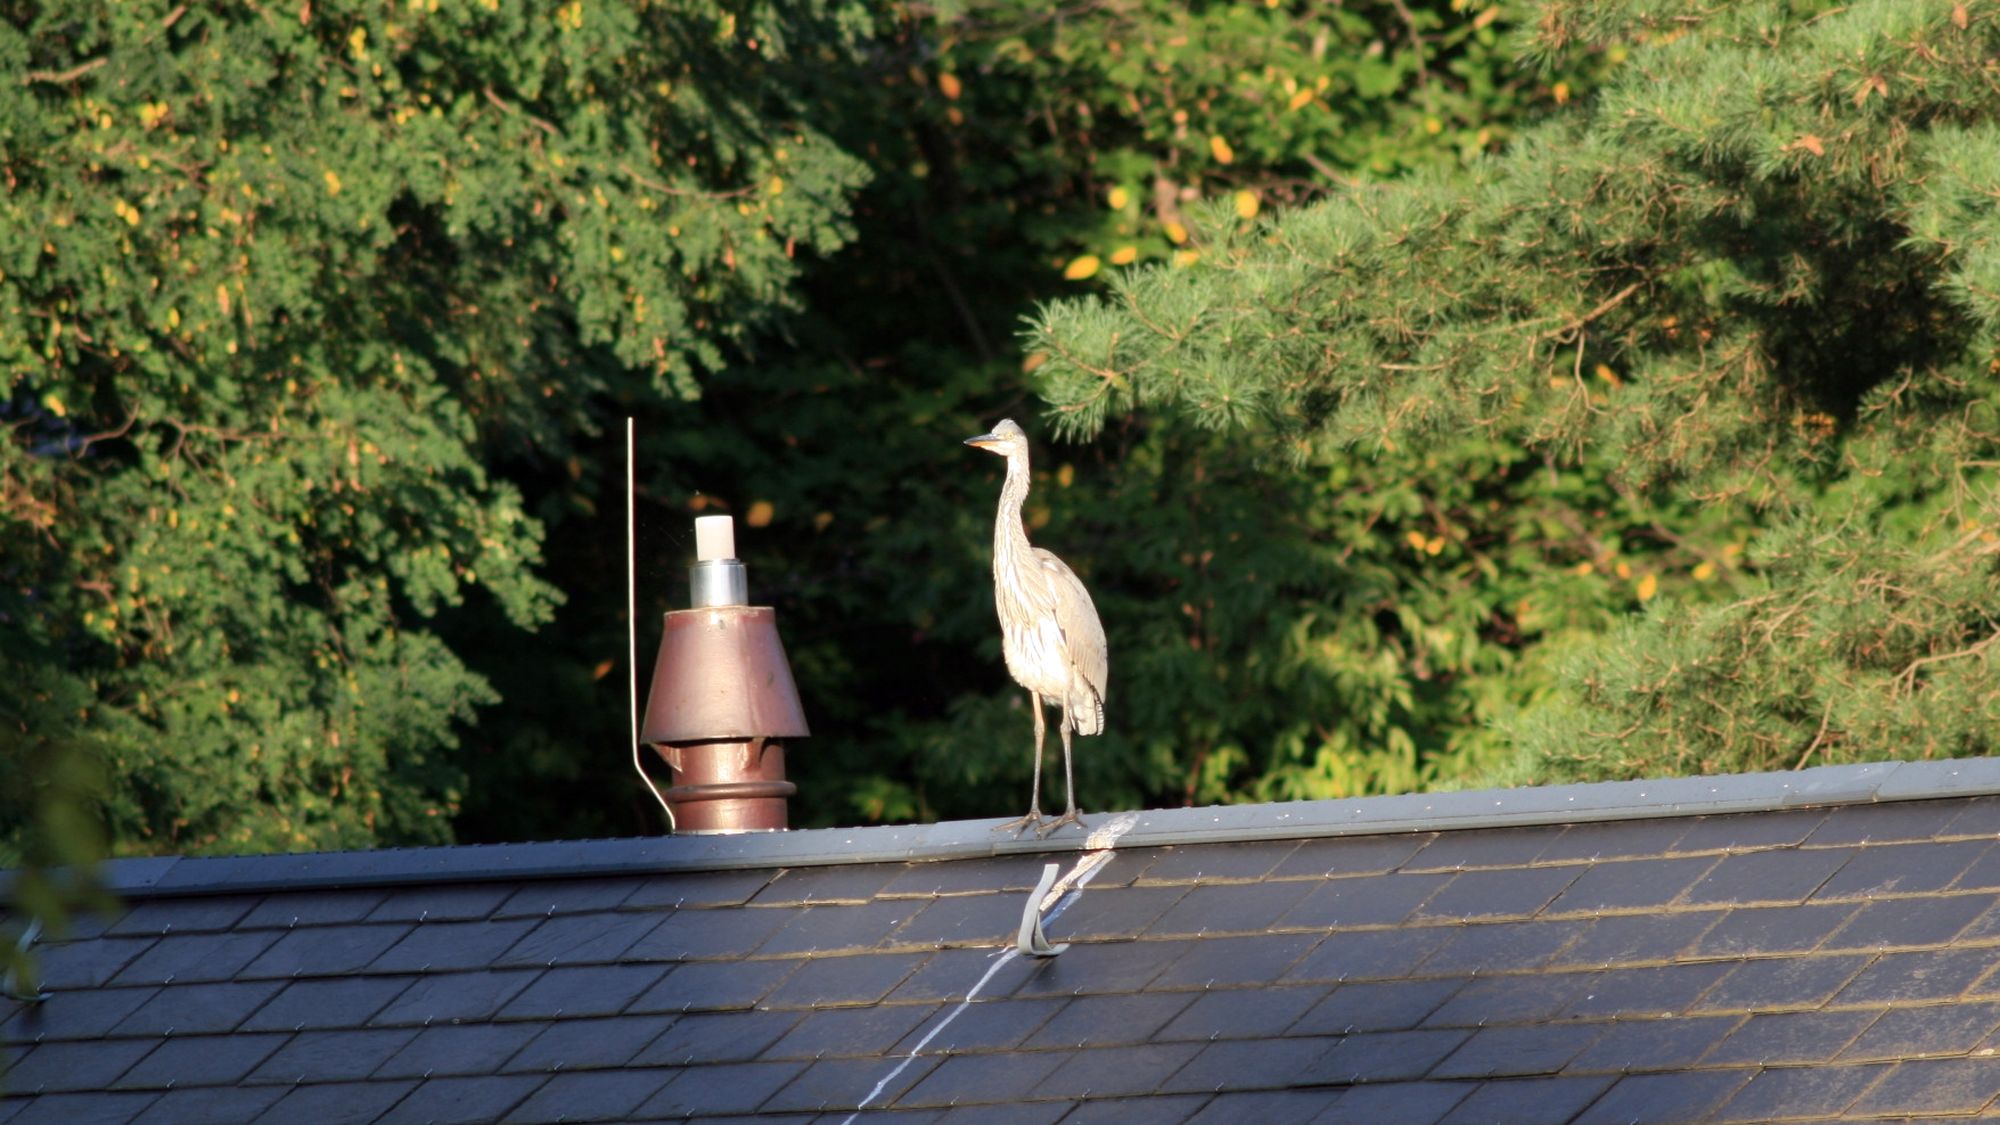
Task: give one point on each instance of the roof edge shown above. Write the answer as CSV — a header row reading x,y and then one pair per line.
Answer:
x,y
168,876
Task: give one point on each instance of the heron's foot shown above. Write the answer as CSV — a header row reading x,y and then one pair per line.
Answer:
x,y
1032,820
1049,826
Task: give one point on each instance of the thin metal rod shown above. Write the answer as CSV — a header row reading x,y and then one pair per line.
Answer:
x,y
632,625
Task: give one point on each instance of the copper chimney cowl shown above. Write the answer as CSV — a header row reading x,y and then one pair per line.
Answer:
x,y
722,700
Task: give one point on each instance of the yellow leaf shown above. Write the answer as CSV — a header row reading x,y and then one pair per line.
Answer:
x,y
1219,148
332,182
54,405
222,299
776,186
822,520
1118,198
603,669
1300,100
1581,569
1648,586
1176,233
1704,572
1066,476
1033,360
1186,257
1124,255
949,85
1623,570
1080,268
357,41
1433,126
1246,204
760,514
1415,539
1561,91
1605,373
1434,546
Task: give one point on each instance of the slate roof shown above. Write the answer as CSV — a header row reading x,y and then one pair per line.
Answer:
x,y
1592,954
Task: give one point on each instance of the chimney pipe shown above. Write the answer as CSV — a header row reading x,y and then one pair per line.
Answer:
x,y
722,699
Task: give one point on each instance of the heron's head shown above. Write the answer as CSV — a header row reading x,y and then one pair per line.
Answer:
x,y
1005,439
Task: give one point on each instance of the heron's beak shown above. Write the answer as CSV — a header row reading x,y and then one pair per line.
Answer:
x,y
984,441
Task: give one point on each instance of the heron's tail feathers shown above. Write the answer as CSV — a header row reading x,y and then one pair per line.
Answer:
x,y
1086,712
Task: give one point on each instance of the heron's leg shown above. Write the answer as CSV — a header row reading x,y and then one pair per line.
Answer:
x,y
1070,815
1034,817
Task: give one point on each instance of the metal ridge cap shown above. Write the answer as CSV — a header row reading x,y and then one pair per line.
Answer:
x,y
158,877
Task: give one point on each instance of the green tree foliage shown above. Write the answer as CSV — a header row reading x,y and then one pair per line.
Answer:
x,y
1732,315
1000,139
278,290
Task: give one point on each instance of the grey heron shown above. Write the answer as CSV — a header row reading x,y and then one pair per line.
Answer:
x,y
1049,632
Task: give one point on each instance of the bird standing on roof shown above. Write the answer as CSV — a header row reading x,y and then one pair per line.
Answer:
x,y
1049,631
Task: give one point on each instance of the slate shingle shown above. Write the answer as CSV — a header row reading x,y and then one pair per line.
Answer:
x,y
714,986
596,1095
682,889
342,1103
1247,1065
1088,968
194,958
1219,863
1269,1107
196,1008
983,920
1885,823
984,1026
1901,869
1243,1013
1107,1021
1641,884
1356,855
1506,1052
586,1044
577,939
1103,1072
1636,938
1384,900
1220,962
203,1060
59,1067
1483,847
1908,1033
842,981
951,974
1931,974
1527,1101
548,897
983,1079
462,1101
997,874
1654,1044
1510,999
331,1056
1385,1056
333,1002
837,929
74,1015
1756,930
1800,1091
1495,947
1651,991
432,903
592,990
315,908
1784,876
323,951
207,1105
847,882
855,1031
83,1109
1136,1110
1391,1005
1245,908
1370,954
1664,1099
1780,984
1493,895
1749,831
831,1084
458,1049
1790,1038
717,1037
1420,1103
442,946
1615,839
203,914
443,997
1101,912
1932,1086
1902,923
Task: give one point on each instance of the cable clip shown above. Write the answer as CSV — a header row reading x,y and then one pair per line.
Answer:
x,y
1032,942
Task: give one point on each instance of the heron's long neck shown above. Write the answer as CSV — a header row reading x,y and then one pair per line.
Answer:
x,y
1010,539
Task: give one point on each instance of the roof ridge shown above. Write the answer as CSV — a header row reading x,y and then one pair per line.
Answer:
x,y
1867,783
